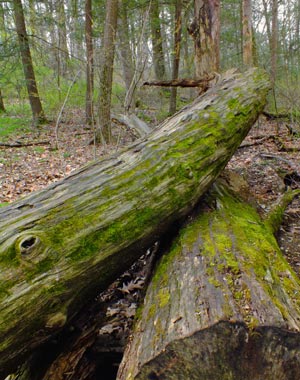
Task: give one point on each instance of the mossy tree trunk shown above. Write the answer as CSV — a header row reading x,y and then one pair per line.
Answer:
x,y
223,303
61,245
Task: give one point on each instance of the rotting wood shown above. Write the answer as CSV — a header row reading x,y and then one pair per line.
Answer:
x,y
60,246
222,304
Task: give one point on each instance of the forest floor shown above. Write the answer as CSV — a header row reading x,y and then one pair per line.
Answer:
x,y
268,159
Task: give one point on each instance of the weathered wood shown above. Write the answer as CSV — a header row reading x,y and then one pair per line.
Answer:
x,y
62,244
223,303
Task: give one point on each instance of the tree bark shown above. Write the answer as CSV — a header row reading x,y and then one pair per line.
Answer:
x,y
106,76
59,246
222,304
34,99
205,30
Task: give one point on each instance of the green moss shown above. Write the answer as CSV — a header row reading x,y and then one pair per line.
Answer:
x,y
5,289
233,103
40,267
163,296
214,282
8,258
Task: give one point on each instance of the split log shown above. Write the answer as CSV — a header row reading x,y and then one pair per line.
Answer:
x,y
60,246
222,304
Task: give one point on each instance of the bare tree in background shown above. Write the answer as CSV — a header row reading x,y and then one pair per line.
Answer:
x,y
205,30
247,33
157,45
176,58
125,49
274,40
34,99
89,61
106,74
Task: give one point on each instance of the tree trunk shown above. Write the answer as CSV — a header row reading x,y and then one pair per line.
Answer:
x,y
247,33
274,40
222,304
176,54
59,246
34,99
106,76
157,46
126,56
89,61
63,50
3,27
205,30
2,107
141,58
125,49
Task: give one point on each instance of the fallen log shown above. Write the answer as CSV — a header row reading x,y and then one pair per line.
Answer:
x,y
60,246
222,304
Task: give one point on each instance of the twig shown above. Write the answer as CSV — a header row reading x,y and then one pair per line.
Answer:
x,y
257,142
274,157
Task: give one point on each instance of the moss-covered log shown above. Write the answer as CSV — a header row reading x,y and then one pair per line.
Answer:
x,y
223,303
60,245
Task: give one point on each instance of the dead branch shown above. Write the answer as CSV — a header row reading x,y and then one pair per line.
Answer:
x,y
22,145
203,82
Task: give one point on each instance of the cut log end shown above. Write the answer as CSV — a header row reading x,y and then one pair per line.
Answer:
x,y
228,351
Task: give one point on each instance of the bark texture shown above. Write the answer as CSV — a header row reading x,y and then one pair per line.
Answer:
x,y
61,245
205,30
223,303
